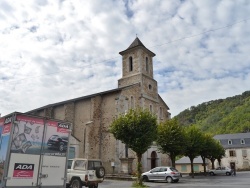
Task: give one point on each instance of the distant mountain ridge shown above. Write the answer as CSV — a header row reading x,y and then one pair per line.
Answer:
x,y
222,116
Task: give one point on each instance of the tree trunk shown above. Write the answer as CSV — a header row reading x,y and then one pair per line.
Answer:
x,y
212,161
192,167
204,165
172,157
219,161
139,170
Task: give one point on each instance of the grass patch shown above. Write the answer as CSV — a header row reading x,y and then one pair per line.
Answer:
x,y
136,185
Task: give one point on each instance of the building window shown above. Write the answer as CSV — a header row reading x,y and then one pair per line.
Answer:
x,y
244,153
132,103
130,64
196,168
149,87
246,164
147,64
242,141
232,153
160,112
229,142
184,168
150,108
72,153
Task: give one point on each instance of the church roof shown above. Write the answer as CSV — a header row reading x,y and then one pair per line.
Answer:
x,y
80,98
135,44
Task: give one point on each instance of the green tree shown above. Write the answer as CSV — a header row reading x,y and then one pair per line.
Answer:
x,y
137,129
218,152
170,139
222,116
207,149
193,144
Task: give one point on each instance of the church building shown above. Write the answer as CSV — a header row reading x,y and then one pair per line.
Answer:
x,y
92,115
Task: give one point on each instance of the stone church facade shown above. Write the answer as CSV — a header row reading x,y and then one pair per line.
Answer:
x,y
92,115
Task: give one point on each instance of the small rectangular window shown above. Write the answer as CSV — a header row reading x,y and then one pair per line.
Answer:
x,y
150,108
232,153
160,113
244,153
130,64
72,152
196,168
184,168
147,64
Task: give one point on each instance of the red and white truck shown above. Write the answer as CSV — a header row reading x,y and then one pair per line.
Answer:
x,y
33,151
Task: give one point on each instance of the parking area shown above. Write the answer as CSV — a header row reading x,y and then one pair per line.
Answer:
x,y
241,180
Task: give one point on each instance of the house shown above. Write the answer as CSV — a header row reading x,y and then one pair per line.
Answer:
x,y
183,165
237,150
92,115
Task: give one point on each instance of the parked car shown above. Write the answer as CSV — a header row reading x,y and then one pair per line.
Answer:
x,y
162,173
84,172
58,142
220,170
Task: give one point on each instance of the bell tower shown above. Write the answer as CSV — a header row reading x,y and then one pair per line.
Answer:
x,y
137,67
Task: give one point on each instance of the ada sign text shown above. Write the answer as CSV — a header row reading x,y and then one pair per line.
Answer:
x,y
23,170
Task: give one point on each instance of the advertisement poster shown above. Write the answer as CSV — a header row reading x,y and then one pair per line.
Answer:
x,y
23,170
56,139
28,135
5,125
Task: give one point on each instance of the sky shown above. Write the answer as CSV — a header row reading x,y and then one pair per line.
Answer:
x,y
56,50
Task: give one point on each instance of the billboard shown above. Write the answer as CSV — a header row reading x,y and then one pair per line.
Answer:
x,y
56,138
33,151
27,135
5,127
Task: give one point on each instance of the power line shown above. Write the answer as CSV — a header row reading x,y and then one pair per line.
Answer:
x,y
211,30
180,39
88,65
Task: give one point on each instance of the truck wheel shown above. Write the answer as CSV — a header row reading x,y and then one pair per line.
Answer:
x,y
76,183
100,172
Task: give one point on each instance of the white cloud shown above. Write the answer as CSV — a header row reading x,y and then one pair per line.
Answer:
x,y
62,49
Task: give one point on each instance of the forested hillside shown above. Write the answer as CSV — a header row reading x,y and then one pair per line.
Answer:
x,y
230,115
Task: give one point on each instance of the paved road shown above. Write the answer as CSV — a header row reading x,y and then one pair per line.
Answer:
x,y
242,180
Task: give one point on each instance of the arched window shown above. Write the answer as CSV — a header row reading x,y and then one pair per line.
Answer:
x,y
147,64
149,86
151,108
229,142
132,103
242,141
130,64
